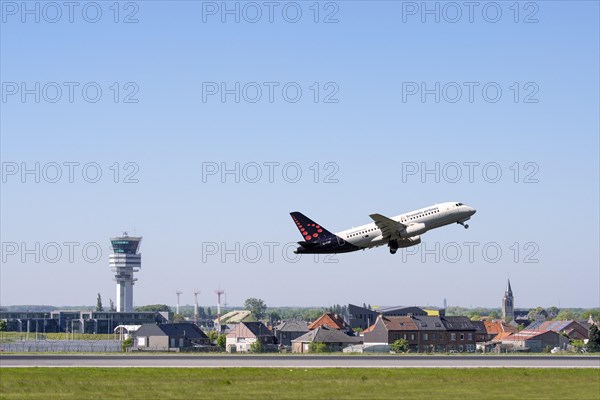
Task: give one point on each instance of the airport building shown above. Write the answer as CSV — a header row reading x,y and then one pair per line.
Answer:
x,y
77,321
124,261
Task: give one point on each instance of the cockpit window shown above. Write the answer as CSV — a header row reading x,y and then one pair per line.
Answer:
x,y
460,204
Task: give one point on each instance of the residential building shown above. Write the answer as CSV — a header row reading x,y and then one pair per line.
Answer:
x,y
334,339
499,329
362,318
536,341
287,331
245,334
573,329
481,333
169,337
330,320
425,333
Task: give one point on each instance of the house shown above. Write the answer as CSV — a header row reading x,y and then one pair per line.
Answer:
x,y
169,337
330,320
424,333
481,334
362,318
573,329
287,331
536,341
498,329
334,339
245,334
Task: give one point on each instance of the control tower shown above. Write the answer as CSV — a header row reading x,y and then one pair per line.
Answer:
x,y
124,261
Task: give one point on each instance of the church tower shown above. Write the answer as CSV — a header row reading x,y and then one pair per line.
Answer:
x,y
508,304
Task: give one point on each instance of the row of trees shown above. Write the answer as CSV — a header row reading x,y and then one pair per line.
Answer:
x,y
552,313
260,311
100,307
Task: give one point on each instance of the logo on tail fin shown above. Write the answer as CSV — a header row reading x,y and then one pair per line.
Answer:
x,y
308,228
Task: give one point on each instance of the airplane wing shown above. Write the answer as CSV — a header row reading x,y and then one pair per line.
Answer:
x,y
389,227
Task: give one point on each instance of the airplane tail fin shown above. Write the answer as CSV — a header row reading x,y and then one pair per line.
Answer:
x,y
308,228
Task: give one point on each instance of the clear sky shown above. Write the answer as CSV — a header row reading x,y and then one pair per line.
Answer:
x,y
387,91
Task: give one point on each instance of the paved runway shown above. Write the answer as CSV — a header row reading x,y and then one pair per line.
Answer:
x,y
299,361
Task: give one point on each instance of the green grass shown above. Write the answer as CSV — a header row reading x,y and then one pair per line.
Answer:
x,y
272,383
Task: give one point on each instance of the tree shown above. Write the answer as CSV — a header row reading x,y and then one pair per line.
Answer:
x,y
256,307
154,307
535,312
594,313
594,339
274,316
317,347
553,310
475,316
493,315
127,343
221,341
3,325
99,303
111,306
256,347
178,318
399,346
208,313
212,336
565,315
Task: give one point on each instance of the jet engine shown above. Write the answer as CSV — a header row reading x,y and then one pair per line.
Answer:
x,y
411,241
413,230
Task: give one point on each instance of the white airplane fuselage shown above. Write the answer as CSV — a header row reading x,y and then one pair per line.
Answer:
x,y
403,230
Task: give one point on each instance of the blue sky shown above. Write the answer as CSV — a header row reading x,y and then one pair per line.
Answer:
x,y
371,134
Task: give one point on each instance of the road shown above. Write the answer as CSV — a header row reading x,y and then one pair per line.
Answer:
x,y
298,361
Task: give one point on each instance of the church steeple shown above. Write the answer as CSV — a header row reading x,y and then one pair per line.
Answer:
x,y
508,304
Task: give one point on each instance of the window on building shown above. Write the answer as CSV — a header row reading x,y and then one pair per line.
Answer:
x,y
425,336
412,336
470,336
462,336
453,336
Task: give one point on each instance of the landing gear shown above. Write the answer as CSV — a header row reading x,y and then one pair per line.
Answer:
x,y
393,245
463,224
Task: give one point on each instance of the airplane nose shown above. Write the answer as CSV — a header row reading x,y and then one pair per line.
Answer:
x,y
472,210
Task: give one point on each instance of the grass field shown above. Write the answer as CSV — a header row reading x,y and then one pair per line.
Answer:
x,y
271,383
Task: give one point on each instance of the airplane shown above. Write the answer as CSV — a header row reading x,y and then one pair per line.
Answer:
x,y
401,231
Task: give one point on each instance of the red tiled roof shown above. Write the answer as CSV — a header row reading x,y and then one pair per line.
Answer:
x,y
400,324
331,320
497,327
